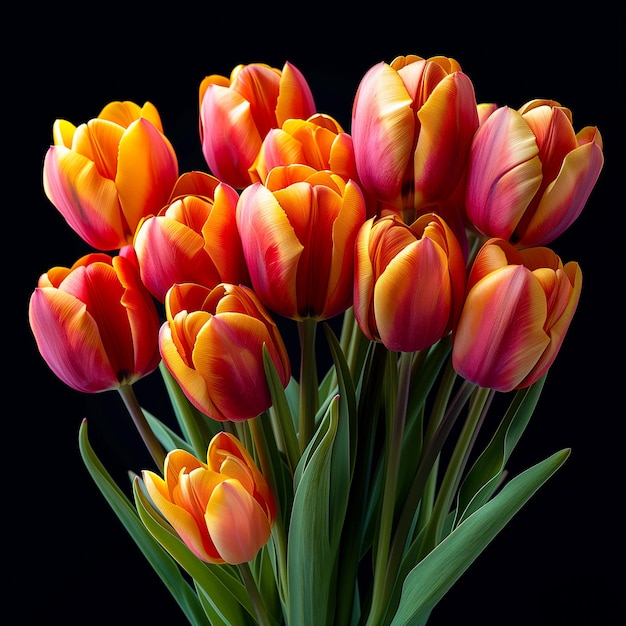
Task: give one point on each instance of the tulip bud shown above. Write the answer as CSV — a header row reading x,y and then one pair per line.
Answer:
x,y
518,307
212,343
298,232
105,175
223,509
530,174
236,114
95,323
193,239
409,281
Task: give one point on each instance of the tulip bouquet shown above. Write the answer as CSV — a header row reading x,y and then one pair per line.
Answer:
x,y
343,481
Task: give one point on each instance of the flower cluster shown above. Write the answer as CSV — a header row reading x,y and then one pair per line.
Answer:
x,y
291,493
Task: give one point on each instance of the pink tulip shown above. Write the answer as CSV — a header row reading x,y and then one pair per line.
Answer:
x,y
412,125
193,238
298,233
95,323
237,112
530,174
517,310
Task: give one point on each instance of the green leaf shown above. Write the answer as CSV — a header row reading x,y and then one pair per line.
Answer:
x,y
484,477
310,558
281,413
197,428
161,561
168,438
222,588
432,578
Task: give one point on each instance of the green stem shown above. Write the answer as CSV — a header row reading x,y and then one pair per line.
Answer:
x,y
437,414
255,597
431,452
188,416
141,423
278,530
378,607
456,465
308,382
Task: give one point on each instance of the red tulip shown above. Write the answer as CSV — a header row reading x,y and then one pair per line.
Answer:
x,y
222,509
95,323
518,307
105,175
194,238
212,343
409,281
236,113
298,232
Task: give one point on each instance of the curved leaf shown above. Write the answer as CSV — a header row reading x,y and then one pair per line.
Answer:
x,y
433,577
484,477
161,561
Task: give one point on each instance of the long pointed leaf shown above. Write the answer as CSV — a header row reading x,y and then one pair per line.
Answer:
x,y
161,561
431,579
484,477
310,557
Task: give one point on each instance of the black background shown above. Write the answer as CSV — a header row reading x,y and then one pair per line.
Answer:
x,y
67,557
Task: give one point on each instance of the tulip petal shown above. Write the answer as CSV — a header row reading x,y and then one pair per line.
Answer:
x,y
272,258
68,339
146,173
500,335
87,201
504,173
449,119
383,125
565,198
181,520
236,523
228,352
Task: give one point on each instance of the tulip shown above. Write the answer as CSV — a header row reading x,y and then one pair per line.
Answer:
x,y
298,233
319,142
236,114
530,174
105,175
409,281
212,343
412,125
223,509
193,238
95,323
517,310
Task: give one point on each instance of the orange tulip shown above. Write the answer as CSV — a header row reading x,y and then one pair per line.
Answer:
x,y
236,113
95,323
412,125
193,238
319,142
212,343
518,307
223,509
105,175
530,174
298,232
409,281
